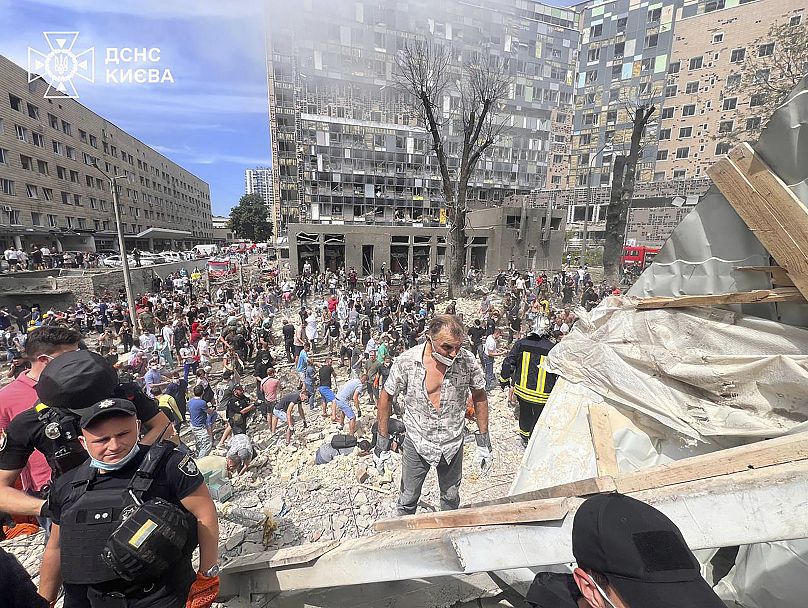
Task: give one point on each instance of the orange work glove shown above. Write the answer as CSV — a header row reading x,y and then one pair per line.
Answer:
x,y
203,592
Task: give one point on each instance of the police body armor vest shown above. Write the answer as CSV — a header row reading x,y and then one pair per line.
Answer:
x,y
97,516
61,430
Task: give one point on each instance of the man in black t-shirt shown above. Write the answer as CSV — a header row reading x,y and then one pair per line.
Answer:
x,y
288,339
325,377
73,554
476,334
284,411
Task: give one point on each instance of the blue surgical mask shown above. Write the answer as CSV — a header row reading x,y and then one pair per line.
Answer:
x,y
114,466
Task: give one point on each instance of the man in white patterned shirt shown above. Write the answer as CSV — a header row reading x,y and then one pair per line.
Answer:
x,y
435,379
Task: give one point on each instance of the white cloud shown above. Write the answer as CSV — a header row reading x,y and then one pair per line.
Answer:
x,y
195,157
160,9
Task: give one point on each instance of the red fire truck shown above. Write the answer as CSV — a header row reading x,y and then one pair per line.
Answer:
x,y
638,256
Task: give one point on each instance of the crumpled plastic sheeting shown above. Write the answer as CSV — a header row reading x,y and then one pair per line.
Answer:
x,y
702,372
767,575
560,449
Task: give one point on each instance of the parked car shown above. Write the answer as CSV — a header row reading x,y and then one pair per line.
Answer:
x,y
155,258
115,261
171,256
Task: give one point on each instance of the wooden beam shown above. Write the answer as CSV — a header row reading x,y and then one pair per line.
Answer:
x,y
779,275
551,509
601,429
756,296
768,207
583,487
761,454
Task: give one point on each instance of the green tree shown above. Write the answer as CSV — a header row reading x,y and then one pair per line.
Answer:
x,y
249,219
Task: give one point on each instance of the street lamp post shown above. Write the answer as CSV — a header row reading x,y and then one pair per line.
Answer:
x,y
127,278
589,199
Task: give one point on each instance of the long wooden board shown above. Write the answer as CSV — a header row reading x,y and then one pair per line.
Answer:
x,y
550,509
768,207
761,454
756,296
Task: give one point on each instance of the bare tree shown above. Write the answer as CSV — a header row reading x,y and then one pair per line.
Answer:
x,y
771,68
428,72
624,176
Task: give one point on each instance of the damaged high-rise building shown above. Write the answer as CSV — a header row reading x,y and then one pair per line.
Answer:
x,y
347,143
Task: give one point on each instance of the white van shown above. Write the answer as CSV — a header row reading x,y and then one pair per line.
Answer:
x,y
205,251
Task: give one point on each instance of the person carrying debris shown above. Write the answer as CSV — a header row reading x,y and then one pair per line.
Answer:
x,y
435,378
525,367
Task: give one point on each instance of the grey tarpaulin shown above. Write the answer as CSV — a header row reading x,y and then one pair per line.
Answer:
x,y
702,252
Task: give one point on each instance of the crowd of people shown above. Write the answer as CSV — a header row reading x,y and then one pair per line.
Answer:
x,y
204,368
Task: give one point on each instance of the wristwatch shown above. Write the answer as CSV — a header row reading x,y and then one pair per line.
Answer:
x,y
214,571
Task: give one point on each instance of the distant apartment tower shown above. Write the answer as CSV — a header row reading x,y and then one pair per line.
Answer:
x,y
348,146
711,101
259,181
630,55
52,194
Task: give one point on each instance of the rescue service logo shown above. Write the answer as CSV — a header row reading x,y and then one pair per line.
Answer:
x,y
62,64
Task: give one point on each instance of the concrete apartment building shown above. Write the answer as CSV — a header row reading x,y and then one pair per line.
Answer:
x,y
51,194
708,93
259,181
497,238
349,147
636,51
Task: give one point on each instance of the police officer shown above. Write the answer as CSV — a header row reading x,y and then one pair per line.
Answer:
x,y
127,520
75,379
532,384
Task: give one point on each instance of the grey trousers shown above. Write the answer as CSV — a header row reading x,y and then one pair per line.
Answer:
x,y
413,474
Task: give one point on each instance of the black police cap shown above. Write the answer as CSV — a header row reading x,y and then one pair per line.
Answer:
x,y
76,380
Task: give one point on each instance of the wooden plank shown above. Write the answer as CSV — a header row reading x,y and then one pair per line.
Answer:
x,y
583,487
768,207
602,440
551,509
289,556
779,276
760,454
756,296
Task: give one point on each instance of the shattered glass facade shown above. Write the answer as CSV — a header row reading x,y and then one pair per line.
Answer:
x,y
348,145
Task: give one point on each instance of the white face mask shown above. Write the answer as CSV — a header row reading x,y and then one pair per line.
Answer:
x,y
447,361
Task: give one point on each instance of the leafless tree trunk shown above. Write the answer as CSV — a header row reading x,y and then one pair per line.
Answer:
x,y
623,178
427,72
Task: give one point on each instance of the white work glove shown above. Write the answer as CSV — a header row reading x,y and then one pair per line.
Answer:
x,y
381,453
484,458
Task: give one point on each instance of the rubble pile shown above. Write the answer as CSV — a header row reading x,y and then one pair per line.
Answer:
x,y
342,499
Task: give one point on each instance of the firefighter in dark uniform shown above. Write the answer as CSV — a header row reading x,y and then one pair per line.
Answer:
x,y
73,380
532,384
127,520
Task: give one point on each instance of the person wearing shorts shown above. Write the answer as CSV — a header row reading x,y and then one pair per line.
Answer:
x,y
283,411
347,397
329,398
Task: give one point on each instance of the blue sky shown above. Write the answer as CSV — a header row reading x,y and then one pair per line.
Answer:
x,y
213,120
